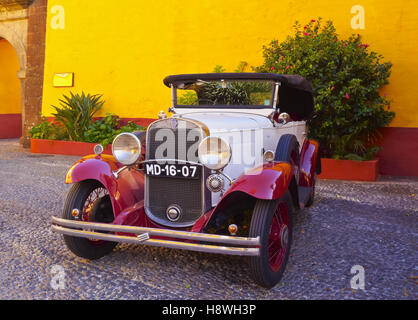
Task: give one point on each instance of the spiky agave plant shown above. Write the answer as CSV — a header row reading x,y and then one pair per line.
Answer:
x,y
76,113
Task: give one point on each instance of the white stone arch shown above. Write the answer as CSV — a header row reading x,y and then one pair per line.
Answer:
x,y
16,40
17,43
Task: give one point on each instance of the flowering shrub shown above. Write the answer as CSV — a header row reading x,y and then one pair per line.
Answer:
x,y
346,77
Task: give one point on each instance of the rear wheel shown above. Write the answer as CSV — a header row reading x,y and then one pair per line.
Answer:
x,y
272,222
312,194
88,201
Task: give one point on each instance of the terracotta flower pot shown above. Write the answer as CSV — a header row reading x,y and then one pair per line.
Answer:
x,y
349,169
64,147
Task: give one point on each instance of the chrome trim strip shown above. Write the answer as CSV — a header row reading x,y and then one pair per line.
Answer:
x,y
94,235
276,94
157,232
172,160
197,123
116,173
173,99
158,243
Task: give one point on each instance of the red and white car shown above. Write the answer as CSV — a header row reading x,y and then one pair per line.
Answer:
x,y
224,174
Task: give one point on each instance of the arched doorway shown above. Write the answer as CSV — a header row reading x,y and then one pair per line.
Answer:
x,y
10,92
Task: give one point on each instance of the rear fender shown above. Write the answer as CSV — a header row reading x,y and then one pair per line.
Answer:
x,y
125,191
308,163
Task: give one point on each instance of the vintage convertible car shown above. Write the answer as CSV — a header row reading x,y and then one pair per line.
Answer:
x,y
224,174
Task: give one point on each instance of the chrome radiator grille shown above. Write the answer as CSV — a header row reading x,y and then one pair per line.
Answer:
x,y
176,142
170,140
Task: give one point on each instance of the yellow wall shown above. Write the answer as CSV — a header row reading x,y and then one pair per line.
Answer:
x,y
124,49
9,83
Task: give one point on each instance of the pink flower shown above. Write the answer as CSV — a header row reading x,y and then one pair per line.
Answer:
x,y
306,34
332,88
288,67
305,27
272,68
313,20
347,96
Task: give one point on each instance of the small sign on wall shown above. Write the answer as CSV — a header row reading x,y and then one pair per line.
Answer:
x,y
63,79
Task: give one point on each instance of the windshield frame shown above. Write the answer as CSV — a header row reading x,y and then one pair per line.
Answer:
x,y
273,101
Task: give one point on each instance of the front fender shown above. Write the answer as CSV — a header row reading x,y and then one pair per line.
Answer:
x,y
124,191
93,167
267,182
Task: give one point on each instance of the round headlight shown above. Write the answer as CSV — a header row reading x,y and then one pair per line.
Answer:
x,y
126,148
269,155
214,153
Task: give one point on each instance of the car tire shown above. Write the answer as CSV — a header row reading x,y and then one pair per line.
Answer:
x,y
272,221
288,149
80,197
312,195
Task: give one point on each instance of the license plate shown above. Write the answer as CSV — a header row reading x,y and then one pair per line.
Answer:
x,y
173,170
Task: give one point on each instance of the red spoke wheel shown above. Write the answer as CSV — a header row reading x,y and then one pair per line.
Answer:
x,y
94,202
272,222
88,201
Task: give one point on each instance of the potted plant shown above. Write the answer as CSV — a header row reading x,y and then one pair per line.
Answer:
x,y
74,130
346,78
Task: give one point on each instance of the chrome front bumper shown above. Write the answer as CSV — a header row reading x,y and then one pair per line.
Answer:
x,y
88,230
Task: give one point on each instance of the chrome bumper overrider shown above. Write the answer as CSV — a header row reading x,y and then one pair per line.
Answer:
x,y
72,228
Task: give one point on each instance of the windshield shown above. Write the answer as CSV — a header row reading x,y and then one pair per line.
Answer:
x,y
221,93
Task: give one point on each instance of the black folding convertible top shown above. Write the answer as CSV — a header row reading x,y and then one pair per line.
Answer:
x,y
295,94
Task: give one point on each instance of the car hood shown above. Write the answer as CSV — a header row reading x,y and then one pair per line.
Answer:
x,y
227,121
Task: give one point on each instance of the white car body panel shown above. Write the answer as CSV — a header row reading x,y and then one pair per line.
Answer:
x,y
249,135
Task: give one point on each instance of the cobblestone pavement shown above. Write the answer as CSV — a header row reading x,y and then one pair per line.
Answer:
x,y
369,224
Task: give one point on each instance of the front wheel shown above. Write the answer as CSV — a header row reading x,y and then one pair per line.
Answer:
x,y
272,222
89,201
